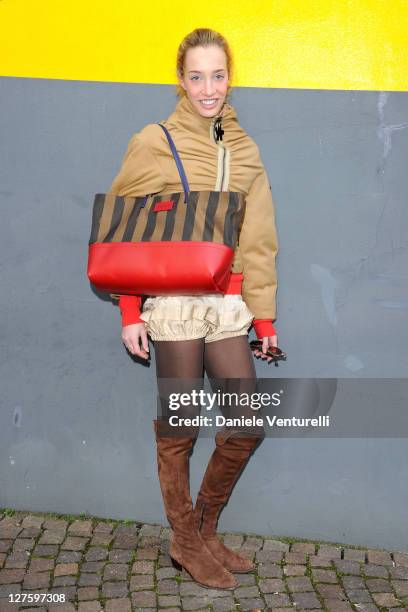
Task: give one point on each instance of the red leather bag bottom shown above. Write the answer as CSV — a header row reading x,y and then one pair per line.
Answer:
x,y
160,268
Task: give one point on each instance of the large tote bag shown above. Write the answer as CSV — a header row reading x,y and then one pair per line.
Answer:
x,y
165,244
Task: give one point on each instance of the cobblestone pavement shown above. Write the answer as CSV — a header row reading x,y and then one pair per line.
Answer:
x,y
99,565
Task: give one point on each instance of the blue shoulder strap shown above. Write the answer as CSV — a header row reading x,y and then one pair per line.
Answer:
x,y
178,163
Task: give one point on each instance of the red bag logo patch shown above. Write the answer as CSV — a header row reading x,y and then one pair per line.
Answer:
x,y
165,205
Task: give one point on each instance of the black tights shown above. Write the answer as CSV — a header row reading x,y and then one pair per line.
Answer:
x,y
229,365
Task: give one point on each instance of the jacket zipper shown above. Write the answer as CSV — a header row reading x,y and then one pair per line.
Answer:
x,y
220,146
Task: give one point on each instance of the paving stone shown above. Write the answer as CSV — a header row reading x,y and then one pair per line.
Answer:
x,y
332,552
271,586
252,604
144,599
64,569
89,580
379,557
353,554
69,607
347,567
125,541
353,582
194,603
150,553
86,593
23,544
69,556
279,600
89,606
74,543
246,591
385,600
275,545
101,539
223,604
321,575
320,561
252,543
64,580
92,567
400,571
401,558
295,558
306,600
143,567
103,527
33,521
45,550
378,585
36,580
121,604
299,584
303,547
359,596
168,600
189,589
377,571
294,570
69,592
400,587
366,607
96,553
55,524
263,556
269,570
331,591
52,537
17,560
41,565
115,571
150,530
5,545
9,533
6,589
118,555
80,527
335,605
141,582
168,587
166,572
114,589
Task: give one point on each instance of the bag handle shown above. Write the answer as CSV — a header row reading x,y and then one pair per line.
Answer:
x,y
178,163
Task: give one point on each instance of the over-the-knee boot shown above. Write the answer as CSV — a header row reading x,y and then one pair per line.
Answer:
x,y
187,547
229,457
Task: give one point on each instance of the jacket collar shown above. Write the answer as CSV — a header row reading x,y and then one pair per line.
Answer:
x,y
187,117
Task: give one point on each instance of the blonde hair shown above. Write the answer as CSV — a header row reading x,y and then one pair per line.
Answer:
x,y
202,37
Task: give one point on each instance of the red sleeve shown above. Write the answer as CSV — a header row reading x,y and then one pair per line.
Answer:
x,y
263,327
130,309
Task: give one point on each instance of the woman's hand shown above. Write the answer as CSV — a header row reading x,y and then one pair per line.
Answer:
x,y
267,341
131,336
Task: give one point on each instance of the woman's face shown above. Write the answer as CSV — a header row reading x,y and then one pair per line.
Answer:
x,y
206,78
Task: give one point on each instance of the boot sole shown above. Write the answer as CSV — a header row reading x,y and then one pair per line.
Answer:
x,y
177,565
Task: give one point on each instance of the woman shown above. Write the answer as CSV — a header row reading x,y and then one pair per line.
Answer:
x,y
193,333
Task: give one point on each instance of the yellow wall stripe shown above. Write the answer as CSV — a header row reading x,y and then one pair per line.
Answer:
x,y
318,44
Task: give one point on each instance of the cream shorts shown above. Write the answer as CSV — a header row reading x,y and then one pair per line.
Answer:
x,y
185,317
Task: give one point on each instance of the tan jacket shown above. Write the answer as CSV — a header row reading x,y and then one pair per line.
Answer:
x,y
231,164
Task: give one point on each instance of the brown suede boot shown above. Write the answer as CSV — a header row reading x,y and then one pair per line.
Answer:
x,y
187,548
230,455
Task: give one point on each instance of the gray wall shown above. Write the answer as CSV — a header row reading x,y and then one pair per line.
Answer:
x,y
76,411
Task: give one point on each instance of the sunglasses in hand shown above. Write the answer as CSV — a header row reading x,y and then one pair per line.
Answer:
x,y
273,351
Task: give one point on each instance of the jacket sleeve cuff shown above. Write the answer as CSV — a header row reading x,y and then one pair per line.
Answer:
x,y
130,309
263,327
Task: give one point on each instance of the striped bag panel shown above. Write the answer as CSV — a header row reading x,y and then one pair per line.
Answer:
x,y
208,216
